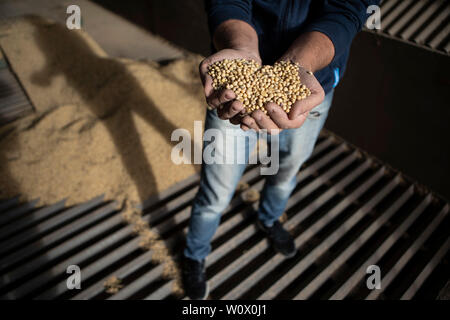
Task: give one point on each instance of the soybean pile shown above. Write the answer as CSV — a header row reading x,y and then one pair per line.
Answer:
x,y
256,85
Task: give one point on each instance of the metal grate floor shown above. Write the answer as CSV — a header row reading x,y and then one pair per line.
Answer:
x,y
13,101
348,211
425,23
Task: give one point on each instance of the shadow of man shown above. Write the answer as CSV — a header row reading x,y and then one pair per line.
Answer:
x,y
109,90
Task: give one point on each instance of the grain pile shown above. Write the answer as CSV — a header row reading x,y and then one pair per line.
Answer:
x,y
101,126
255,85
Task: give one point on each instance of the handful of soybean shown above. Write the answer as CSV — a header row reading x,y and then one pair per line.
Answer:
x,y
255,85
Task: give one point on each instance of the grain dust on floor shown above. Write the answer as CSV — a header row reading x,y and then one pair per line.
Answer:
x,y
101,126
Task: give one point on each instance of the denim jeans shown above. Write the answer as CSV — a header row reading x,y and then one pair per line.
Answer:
x,y
218,182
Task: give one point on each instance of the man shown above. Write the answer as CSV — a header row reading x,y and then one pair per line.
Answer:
x,y
315,34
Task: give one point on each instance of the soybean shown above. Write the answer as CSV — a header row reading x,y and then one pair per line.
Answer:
x,y
256,85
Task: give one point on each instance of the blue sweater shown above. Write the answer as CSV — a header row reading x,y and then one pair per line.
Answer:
x,y
279,22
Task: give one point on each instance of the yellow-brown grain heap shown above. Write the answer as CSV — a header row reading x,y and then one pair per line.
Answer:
x,y
255,85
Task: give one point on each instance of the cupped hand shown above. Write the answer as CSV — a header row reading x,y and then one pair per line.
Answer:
x,y
223,100
277,119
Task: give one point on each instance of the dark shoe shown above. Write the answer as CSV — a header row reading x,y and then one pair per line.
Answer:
x,y
194,279
279,237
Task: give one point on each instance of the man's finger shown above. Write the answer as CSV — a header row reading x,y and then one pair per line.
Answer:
x,y
232,109
219,97
221,112
305,105
226,95
205,77
207,85
213,99
280,117
250,122
237,119
264,122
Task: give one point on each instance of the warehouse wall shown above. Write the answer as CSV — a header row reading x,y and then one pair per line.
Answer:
x,y
181,22
393,101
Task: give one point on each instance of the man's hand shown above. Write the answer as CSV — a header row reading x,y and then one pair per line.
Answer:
x,y
276,118
223,99
313,50
234,39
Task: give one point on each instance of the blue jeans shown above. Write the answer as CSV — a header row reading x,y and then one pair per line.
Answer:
x,y
219,181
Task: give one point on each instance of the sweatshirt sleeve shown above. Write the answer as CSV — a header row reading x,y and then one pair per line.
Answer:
x,y
340,21
219,11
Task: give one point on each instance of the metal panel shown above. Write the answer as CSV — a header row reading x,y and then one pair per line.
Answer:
x,y
13,100
337,189
422,23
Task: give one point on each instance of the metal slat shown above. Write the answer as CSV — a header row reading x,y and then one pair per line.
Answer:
x,y
431,265
302,215
78,259
247,176
387,5
8,101
52,238
412,250
333,266
96,250
432,26
9,203
161,292
251,174
123,272
139,262
144,280
15,213
345,289
238,217
130,289
52,254
307,261
228,271
13,100
436,41
251,229
418,23
404,19
388,18
161,198
114,221
21,239
29,221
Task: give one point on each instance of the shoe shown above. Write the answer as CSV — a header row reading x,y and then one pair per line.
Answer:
x,y
279,237
194,279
